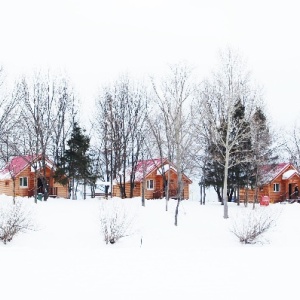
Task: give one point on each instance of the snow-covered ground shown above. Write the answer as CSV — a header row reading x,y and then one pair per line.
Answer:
x,y
66,257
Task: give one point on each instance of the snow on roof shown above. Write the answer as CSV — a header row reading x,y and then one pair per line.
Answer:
x,y
100,182
270,172
164,168
47,162
143,167
288,174
15,166
146,167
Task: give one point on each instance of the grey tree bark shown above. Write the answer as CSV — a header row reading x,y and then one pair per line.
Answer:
x,y
172,96
216,106
45,105
120,123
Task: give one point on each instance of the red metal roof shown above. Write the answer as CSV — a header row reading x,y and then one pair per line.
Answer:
x,y
270,172
15,166
18,164
147,166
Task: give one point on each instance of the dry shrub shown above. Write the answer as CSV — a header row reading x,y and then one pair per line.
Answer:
x,y
14,218
249,226
115,221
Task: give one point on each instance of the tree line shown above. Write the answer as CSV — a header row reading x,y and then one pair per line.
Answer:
x,y
214,129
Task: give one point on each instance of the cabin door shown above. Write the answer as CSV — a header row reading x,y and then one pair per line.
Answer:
x,y
290,191
40,186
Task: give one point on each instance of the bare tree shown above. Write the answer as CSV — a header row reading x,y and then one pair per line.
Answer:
x,y
292,145
161,142
120,122
172,97
263,150
8,102
45,104
8,122
218,103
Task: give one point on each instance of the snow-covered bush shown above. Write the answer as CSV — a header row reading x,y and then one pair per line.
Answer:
x,y
115,221
14,218
249,225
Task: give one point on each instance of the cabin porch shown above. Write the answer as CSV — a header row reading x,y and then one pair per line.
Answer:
x,y
173,193
52,192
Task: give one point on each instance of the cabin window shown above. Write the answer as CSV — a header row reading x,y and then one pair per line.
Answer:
x,y
276,187
150,184
23,182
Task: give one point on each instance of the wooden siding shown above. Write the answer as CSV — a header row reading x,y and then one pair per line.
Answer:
x,y
6,185
158,186
265,191
62,191
286,189
23,191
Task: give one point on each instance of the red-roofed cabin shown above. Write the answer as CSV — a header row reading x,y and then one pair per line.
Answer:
x,y
279,182
152,171
21,169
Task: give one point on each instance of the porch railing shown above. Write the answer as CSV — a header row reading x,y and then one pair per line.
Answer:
x,y
287,197
52,191
173,193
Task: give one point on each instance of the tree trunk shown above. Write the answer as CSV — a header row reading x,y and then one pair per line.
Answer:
x,y
14,190
256,190
246,197
143,192
143,182
220,196
93,190
106,188
73,188
45,187
238,196
225,200
84,190
176,211
35,186
201,193
167,194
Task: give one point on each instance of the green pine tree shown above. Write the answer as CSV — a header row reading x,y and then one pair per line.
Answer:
x,y
74,166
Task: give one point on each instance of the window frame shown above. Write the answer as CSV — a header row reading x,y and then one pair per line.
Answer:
x,y
276,187
149,185
22,181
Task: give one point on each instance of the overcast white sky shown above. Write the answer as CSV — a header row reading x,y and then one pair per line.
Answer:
x,y
94,41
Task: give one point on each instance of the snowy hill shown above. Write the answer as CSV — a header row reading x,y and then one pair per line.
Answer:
x,y
67,258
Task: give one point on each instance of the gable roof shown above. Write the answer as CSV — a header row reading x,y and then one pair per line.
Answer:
x,y
289,174
146,167
17,165
271,172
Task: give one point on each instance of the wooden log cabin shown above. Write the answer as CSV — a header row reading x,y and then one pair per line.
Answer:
x,y
20,169
279,182
151,172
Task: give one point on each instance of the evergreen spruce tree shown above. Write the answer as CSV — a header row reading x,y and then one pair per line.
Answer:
x,y
215,167
74,166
